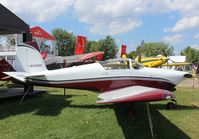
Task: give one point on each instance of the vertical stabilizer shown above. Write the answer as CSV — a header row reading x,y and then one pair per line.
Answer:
x,y
123,51
80,45
28,59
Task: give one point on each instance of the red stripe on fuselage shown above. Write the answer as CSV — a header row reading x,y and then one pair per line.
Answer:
x,y
106,85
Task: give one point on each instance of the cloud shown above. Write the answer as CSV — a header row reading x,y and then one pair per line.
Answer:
x,y
115,27
38,10
116,16
109,17
195,46
100,15
185,7
173,39
185,24
196,36
188,12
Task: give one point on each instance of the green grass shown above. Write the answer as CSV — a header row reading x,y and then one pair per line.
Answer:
x,y
76,116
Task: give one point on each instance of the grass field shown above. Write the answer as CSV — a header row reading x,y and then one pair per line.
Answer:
x,y
76,116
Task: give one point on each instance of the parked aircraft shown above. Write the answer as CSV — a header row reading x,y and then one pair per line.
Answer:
x,y
160,60
79,55
146,61
130,83
117,84
153,62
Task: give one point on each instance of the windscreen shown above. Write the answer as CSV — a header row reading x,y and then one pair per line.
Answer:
x,y
120,64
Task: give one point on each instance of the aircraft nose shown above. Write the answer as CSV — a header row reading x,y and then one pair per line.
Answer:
x,y
188,75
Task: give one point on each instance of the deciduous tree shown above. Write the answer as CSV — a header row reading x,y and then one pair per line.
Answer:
x,y
65,42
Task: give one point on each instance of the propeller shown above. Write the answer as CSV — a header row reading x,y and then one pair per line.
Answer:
x,y
167,58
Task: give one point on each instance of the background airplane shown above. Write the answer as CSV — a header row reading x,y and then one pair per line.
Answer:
x,y
146,61
161,60
152,62
79,56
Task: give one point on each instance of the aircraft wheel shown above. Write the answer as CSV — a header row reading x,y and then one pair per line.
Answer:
x,y
171,105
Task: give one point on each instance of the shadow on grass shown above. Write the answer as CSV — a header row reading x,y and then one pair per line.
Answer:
x,y
136,125
179,107
43,105
133,126
46,106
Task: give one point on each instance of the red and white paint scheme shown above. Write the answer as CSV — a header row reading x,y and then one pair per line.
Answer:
x,y
118,80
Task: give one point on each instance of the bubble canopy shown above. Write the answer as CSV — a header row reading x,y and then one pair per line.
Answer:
x,y
120,63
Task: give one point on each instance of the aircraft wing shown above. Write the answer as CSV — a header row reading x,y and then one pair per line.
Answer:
x,y
134,94
177,64
71,59
81,57
50,59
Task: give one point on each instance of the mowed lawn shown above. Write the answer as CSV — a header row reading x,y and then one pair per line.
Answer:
x,y
77,116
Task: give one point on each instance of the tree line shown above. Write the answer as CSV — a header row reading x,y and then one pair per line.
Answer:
x,y
65,42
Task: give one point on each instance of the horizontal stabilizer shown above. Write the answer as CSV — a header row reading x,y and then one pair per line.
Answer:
x,y
134,94
20,76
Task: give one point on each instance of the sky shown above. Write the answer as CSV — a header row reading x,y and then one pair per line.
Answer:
x,y
128,21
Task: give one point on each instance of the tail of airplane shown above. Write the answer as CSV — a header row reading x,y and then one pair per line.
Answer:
x,y
123,51
28,59
80,45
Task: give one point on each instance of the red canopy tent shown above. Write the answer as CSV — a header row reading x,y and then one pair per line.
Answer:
x,y
41,36
40,33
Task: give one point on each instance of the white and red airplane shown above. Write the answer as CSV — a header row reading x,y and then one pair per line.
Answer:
x,y
122,80
119,81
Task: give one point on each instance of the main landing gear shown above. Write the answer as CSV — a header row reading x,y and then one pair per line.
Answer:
x,y
172,104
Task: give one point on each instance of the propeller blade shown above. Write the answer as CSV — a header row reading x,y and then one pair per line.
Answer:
x,y
172,61
164,53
